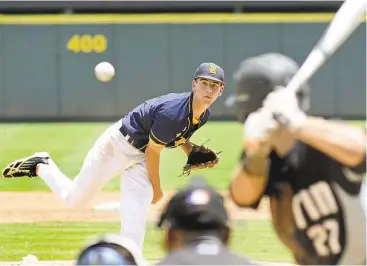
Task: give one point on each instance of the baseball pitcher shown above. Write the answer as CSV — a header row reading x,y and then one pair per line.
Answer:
x,y
131,148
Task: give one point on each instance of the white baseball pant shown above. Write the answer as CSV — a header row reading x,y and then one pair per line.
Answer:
x,y
111,155
363,195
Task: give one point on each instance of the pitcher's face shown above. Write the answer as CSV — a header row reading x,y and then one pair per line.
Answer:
x,y
207,90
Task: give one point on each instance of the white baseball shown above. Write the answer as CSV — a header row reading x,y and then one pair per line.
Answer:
x,y
104,71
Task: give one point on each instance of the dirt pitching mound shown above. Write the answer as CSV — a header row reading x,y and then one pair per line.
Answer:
x,y
18,207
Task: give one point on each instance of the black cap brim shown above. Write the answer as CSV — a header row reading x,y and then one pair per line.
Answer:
x,y
209,77
234,98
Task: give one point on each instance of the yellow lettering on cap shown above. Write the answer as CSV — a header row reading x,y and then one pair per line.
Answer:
x,y
212,69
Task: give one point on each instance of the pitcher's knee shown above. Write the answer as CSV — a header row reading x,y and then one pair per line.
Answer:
x,y
74,199
75,204
138,239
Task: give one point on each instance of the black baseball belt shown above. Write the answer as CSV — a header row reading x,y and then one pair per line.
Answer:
x,y
130,140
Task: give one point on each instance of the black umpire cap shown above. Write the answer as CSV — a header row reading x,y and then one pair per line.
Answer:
x,y
197,206
210,71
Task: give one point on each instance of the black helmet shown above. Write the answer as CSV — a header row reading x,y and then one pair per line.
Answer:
x,y
110,249
257,76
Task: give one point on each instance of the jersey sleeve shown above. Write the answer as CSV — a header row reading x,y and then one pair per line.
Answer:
x,y
358,171
163,129
361,168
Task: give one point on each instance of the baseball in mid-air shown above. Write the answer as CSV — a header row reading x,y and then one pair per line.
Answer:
x,y
104,71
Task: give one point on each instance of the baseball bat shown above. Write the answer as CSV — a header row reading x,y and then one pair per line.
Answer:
x,y
345,21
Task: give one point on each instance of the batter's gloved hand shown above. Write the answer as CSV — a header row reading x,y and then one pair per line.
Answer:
x,y
259,128
284,106
200,157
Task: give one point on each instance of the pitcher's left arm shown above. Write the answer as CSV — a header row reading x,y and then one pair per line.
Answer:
x,y
187,147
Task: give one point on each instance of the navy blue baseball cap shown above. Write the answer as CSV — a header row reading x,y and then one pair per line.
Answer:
x,y
197,206
210,71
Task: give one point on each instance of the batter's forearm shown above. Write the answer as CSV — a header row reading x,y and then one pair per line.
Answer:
x,y
344,143
256,166
249,181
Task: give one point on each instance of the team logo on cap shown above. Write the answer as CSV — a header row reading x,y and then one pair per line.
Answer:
x,y
212,69
199,197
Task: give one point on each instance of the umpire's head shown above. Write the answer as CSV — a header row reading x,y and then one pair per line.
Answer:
x,y
257,76
195,211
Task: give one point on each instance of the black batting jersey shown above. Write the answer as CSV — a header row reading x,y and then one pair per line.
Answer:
x,y
328,216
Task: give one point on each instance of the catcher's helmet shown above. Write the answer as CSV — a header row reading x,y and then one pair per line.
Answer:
x,y
257,76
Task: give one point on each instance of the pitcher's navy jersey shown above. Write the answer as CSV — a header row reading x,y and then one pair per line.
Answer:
x,y
167,120
328,217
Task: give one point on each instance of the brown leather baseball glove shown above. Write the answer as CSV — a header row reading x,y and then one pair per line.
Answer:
x,y
200,157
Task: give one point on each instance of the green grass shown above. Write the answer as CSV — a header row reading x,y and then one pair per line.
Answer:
x,y
61,241
68,144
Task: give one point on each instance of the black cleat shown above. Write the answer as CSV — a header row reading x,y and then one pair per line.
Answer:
x,y
26,166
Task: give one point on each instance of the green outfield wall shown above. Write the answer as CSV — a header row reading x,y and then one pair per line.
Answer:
x,y
47,61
